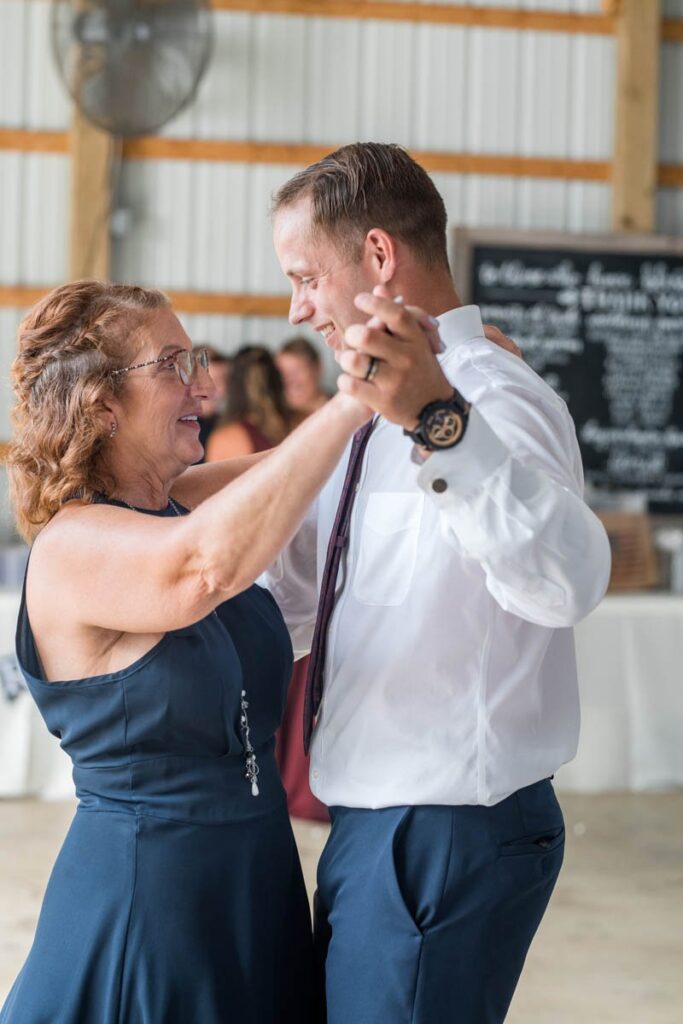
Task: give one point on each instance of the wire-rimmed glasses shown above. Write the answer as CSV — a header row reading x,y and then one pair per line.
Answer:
x,y
184,361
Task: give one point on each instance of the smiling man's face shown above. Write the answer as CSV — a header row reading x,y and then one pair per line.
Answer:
x,y
324,280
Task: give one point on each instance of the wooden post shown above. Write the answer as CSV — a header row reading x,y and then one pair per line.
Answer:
x,y
89,250
637,108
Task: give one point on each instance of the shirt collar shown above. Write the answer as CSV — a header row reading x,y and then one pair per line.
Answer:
x,y
459,325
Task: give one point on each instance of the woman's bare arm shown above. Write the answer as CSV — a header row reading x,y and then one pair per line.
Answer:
x,y
116,569
200,482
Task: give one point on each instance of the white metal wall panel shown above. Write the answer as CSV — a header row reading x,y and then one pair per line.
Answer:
x,y
670,201
33,188
32,94
222,106
9,320
188,225
228,333
202,226
671,103
670,211
47,102
429,86
334,80
205,226
13,15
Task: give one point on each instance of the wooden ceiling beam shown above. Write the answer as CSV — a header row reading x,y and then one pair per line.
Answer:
x,y
437,14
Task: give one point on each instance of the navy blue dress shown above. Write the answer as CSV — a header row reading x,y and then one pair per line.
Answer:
x,y
177,897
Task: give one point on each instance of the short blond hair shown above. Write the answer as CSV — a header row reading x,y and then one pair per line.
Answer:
x,y
68,345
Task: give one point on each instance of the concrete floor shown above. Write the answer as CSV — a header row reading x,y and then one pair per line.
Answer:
x,y
610,950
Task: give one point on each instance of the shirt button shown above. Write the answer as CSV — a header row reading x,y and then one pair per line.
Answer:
x,y
315,774
439,485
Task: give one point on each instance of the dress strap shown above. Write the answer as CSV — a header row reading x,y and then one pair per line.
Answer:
x,y
27,652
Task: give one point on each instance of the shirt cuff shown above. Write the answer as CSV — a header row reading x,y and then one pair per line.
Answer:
x,y
461,471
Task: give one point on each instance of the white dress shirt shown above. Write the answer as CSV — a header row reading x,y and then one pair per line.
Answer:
x,y
450,675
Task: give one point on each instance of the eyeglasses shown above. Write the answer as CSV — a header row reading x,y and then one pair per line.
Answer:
x,y
184,362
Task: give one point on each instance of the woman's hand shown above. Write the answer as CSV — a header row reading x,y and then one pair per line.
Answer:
x,y
495,335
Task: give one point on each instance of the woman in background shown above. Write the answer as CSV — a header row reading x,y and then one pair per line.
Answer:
x,y
214,408
257,415
301,367
257,418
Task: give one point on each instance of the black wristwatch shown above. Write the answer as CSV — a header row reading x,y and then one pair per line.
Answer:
x,y
441,424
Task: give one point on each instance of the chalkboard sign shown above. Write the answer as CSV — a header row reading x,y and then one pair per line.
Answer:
x,y
601,319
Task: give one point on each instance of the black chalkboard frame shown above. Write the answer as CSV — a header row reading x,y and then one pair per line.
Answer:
x,y
465,241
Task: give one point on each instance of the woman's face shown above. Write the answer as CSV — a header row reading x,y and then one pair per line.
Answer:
x,y
156,414
301,380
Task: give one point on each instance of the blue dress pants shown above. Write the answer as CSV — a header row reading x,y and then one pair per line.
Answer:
x,y
424,915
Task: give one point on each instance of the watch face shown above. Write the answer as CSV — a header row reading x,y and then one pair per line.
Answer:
x,y
445,428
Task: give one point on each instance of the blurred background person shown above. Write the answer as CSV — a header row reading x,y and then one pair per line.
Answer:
x,y
301,367
213,408
258,417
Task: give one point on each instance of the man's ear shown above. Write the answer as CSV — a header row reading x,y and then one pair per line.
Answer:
x,y
380,254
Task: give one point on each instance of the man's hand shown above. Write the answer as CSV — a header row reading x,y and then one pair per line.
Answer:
x,y
408,375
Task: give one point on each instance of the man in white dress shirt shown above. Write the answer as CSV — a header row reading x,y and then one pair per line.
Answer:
x,y
449,691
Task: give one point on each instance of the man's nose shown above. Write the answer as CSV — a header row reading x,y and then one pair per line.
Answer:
x,y
300,309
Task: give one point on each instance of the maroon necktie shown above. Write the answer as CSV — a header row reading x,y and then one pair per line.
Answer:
x,y
338,540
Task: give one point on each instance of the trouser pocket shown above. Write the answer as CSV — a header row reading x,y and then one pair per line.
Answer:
x,y
421,852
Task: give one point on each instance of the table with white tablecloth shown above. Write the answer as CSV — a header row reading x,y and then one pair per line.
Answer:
x,y
630,657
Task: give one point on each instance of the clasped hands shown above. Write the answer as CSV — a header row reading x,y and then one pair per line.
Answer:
x,y
396,348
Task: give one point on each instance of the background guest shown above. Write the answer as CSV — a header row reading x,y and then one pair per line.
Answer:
x,y
213,408
257,415
301,367
257,418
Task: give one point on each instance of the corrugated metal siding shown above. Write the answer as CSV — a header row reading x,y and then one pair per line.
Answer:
x,y
32,95
205,226
334,80
9,321
670,201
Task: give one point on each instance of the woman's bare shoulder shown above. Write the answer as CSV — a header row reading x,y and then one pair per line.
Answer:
x,y
69,530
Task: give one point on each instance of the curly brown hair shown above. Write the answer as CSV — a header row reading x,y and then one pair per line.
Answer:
x,y
68,345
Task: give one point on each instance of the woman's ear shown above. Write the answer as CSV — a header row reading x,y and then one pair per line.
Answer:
x,y
106,413
380,254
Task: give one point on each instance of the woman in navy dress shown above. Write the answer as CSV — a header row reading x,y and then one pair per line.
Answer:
x,y
177,897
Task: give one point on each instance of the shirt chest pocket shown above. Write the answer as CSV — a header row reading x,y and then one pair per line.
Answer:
x,y
388,548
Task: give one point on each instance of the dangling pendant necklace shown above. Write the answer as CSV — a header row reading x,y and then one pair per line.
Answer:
x,y
252,771
252,766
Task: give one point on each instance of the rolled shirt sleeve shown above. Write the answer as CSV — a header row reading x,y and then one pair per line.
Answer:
x,y
510,497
